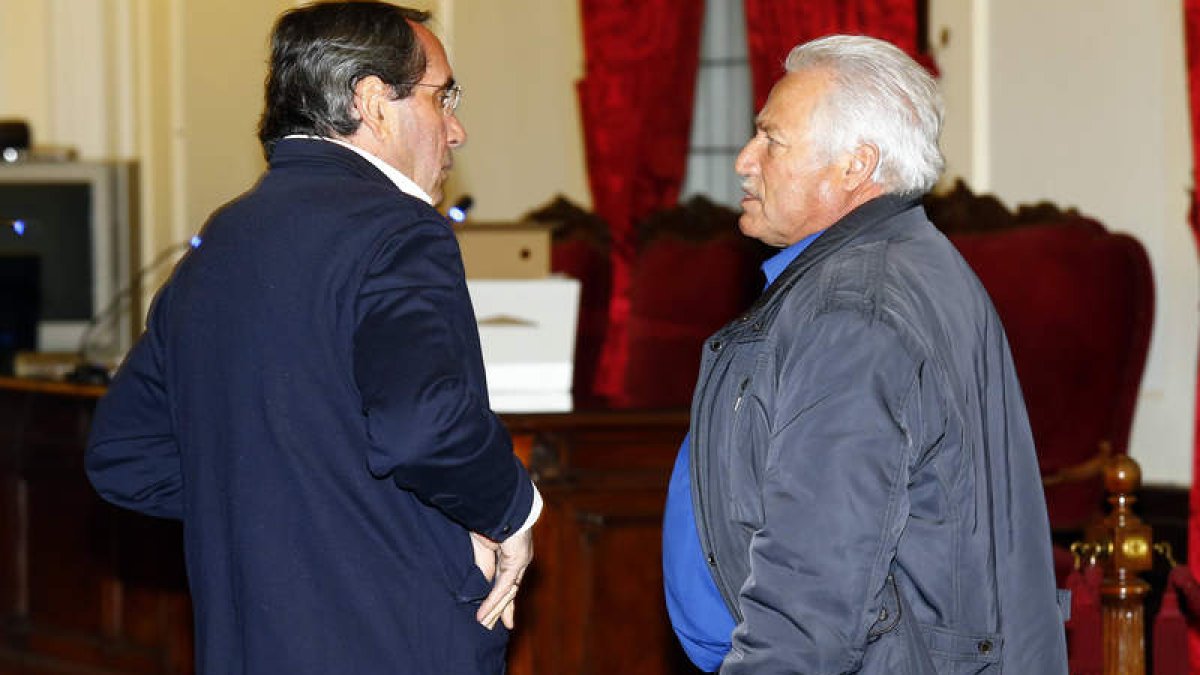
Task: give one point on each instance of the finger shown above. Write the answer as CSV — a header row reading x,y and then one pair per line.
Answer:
x,y
485,558
509,613
489,620
494,603
507,576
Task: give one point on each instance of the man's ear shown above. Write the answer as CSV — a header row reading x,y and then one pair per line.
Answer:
x,y
860,166
371,96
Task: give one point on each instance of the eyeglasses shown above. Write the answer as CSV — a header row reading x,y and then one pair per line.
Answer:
x,y
449,95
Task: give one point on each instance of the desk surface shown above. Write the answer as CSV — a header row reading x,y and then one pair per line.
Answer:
x,y
52,387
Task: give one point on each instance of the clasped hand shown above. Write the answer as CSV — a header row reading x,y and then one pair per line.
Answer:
x,y
504,565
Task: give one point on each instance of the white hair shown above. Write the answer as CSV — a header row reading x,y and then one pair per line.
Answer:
x,y
879,96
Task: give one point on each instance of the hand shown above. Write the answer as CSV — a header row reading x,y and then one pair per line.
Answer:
x,y
504,565
485,555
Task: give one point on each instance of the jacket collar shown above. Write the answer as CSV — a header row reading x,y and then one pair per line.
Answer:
x,y
861,224
317,155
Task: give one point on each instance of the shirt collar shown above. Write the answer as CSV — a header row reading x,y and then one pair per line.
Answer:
x,y
406,185
772,267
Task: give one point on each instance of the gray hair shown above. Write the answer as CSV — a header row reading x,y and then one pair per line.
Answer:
x,y
319,53
879,96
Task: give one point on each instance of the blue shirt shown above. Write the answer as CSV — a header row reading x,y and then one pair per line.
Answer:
x,y
698,612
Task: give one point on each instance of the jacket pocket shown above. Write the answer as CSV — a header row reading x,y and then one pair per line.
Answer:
x,y
474,588
890,612
957,653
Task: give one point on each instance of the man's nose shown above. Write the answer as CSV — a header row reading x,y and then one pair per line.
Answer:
x,y
456,133
744,163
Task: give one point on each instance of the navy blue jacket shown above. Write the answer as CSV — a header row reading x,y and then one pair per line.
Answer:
x,y
309,399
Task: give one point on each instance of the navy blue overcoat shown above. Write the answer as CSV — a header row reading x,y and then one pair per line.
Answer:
x,y
309,399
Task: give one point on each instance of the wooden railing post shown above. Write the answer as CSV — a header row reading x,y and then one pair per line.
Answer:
x,y
1124,543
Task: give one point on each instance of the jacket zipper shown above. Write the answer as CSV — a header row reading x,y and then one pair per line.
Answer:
x,y
702,525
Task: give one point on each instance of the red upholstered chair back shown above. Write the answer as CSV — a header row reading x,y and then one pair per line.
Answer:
x,y
1077,304
579,248
694,273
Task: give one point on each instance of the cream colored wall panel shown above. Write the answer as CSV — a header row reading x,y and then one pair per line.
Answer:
x,y
1088,108
80,84
225,51
157,102
952,37
518,62
25,64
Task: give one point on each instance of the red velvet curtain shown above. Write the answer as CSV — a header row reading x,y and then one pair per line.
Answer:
x,y
1192,35
636,95
773,27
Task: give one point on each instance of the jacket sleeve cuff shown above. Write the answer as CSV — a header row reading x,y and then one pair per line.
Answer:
x,y
523,509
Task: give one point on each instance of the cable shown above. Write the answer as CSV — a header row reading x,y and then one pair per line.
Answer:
x,y
114,305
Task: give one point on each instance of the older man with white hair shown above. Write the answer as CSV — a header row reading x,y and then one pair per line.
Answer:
x,y
859,490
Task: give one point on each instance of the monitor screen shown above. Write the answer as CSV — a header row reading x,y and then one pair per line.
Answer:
x,y
52,221
77,220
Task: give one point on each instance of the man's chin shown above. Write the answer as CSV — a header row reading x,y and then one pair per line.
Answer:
x,y
746,224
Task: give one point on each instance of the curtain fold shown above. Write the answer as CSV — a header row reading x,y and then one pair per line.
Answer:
x,y
773,27
640,62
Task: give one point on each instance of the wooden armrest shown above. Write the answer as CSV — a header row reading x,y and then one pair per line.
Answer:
x,y
1089,468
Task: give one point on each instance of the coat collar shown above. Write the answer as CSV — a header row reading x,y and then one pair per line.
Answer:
x,y
861,224
317,155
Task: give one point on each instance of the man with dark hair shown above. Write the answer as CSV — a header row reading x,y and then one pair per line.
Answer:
x,y
859,491
309,396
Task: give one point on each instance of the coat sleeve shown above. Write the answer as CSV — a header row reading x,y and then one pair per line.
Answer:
x,y
834,498
430,427
132,457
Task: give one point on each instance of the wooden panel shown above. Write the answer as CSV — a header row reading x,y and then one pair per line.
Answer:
x,y
82,584
595,589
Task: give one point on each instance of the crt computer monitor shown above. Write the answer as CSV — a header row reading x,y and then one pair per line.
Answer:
x,y
78,220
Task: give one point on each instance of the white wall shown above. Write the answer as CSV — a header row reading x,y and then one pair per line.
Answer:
x,y
67,38
518,62
1084,103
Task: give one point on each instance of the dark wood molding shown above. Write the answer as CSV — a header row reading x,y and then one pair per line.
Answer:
x,y
961,211
568,221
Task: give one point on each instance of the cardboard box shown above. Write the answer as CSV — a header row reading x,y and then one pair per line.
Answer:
x,y
527,331
504,250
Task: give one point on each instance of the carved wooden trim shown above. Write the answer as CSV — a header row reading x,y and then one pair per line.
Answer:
x,y
568,221
960,211
697,219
